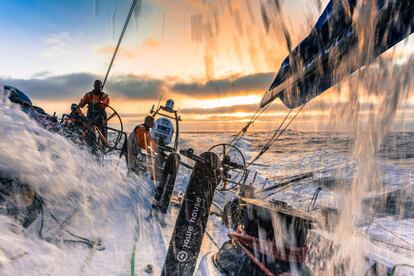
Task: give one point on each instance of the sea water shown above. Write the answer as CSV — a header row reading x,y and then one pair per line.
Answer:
x,y
100,201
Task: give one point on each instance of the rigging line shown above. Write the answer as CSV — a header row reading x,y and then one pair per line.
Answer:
x,y
391,244
267,145
291,181
88,241
391,232
63,226
119,41
283,130
321,170
283,188
83,240
387,242
373,217
212,240
243,131
274,138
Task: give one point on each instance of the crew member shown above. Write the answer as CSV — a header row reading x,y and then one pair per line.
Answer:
x,y
97,101
77,123
141,139
76,116
143,135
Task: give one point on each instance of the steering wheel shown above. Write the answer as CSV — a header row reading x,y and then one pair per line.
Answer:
x,y
110,141
233,166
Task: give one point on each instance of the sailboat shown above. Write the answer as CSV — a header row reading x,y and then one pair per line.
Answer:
x,y
266,238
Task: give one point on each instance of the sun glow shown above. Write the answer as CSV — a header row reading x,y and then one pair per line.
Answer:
x,y
227,101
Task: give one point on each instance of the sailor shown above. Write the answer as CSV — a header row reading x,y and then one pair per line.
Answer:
x,y
76,116
78,126
144,137
97,101
140,140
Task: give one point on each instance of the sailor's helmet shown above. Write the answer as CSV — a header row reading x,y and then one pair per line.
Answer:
x,y
169,105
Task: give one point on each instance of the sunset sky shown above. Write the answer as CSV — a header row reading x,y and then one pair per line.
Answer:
x,y
215,58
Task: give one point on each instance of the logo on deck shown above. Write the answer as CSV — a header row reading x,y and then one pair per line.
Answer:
x,y
182,256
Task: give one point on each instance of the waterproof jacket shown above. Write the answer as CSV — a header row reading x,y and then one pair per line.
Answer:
x,y
140,139
77,117
94,101
144,139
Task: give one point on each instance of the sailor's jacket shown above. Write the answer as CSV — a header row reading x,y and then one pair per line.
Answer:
x,y
94,101
140,141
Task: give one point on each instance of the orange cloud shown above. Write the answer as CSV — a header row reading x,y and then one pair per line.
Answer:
x,y
151,43
123,52
130,52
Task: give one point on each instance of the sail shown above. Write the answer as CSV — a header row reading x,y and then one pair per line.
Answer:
x,y
311,67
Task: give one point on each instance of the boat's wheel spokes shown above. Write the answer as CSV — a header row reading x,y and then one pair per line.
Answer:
x,y
114,131
233,166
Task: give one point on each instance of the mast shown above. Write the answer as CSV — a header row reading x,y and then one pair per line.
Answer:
x,y
131,10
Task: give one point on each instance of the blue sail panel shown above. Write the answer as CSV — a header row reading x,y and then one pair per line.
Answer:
x,y
328,44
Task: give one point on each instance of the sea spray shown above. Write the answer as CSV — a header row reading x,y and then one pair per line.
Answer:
x,y
374,95
97,201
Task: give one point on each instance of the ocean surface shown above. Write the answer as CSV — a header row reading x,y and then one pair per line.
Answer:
x,y
378,203
295,152
330,155
101,202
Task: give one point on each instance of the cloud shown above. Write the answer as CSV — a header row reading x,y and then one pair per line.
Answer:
x,y
151,43
277,108
56,44
134,87
123,53
130,52
220,110
220,87
73,86
41,74
54,88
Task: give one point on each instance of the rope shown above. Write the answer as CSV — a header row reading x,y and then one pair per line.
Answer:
x,y
212,240
389,243
289,253
286,254
254,259
392,233
243,131
291,181
276,135
119,41
267,145
89,243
